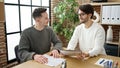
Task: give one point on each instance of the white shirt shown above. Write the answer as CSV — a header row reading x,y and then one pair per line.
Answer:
x,y
90,39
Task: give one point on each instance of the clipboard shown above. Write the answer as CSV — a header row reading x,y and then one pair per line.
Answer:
x,y
70,52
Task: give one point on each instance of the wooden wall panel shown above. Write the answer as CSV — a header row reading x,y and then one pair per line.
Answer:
x,y
2,17
3,57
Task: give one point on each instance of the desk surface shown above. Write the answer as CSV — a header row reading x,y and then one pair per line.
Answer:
x,y
71,63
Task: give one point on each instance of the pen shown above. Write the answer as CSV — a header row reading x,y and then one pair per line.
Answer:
x,y
105,65
64,65
111,64
108,64
102,61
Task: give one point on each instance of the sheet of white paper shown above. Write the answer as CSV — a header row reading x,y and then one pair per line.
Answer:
x,y
71,52
102,63
53,61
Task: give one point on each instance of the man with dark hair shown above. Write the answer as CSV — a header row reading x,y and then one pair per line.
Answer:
x,y
89,34
36,40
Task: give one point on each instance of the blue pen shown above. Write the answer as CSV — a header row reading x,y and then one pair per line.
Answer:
x,y
102,61
111,64
105,65
108,66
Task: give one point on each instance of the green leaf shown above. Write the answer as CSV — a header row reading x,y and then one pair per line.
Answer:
x,y
67,18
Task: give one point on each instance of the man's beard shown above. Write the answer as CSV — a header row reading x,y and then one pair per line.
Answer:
x,y
83,21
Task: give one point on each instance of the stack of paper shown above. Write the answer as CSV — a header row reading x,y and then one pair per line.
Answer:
x,y
54,61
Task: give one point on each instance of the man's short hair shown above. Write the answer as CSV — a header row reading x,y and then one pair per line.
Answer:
x,y
38,11
87,8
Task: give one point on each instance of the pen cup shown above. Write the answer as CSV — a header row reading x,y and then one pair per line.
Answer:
x,y
64,64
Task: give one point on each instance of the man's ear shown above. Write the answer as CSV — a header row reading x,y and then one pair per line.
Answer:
x,y
90,15
37,19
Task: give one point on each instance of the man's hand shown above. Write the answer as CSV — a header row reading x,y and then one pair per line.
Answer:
x,y
40,58
55,53
83,55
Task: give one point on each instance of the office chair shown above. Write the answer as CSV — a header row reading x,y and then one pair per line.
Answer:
x,y
16,53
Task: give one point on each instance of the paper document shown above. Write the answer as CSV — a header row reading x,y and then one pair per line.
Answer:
x,y
53,61
71,52
102,61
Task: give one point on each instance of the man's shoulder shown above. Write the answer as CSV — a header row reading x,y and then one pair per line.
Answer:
x,y
97,25
28,29
79,26
48,28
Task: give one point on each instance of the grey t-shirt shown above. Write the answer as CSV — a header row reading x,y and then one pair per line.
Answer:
x,y
37,42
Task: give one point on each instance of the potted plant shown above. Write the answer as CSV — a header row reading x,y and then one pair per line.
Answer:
x,y
67,19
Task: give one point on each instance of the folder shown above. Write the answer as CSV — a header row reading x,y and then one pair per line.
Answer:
x,y
118,14
106,14
114,14
103,14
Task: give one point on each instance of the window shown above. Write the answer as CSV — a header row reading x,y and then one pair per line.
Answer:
x,y
25,17
18,17
12,18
